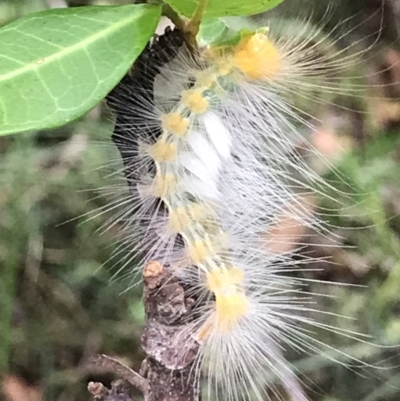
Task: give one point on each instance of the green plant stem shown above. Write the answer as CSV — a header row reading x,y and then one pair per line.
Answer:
x,y
192,28
170,13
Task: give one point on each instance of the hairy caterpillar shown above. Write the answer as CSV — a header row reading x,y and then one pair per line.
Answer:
x,y
205,139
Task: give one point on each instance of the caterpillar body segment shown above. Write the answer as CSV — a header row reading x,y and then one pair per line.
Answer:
x,y
207,142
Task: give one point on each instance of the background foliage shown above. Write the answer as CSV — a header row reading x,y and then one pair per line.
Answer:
x,y
57,305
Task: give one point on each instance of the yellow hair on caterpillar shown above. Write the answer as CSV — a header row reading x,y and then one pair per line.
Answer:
x,y
175,123
225,66
195,101
206,79
197,211
199,251
178,220
162,151
257,57
231,303
164,185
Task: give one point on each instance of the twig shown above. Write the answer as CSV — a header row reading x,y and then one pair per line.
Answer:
x,y
168,368
170,358
193,26
118,392
189,28
170,13
108,364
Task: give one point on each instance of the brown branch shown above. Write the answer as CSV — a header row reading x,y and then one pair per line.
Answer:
x,y
168,367
170,356
106,364
118,392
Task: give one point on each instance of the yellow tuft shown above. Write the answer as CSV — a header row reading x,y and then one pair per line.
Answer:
x,y
195,101
229,309
206,216
175,123
199,252
231,303
164,185
205,79
179,220
223,279
257,57
225,66
163,151
197,212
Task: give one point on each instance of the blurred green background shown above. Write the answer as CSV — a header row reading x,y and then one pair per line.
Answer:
x,y
58,304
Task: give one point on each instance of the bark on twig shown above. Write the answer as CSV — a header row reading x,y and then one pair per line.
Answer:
x,y
118,392
170,359
168,367
106,364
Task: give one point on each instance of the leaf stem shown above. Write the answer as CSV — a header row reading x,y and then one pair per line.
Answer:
x,y
170,13
192,28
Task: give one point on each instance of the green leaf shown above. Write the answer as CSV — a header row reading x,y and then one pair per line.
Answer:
x,y
223,8
217,32
212,30
58,64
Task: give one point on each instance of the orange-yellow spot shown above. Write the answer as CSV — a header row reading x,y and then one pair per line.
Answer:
x,y
164,185
194,100
163,151
175,123
178,220
257,57
199,252
224,280
229,309
231,303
